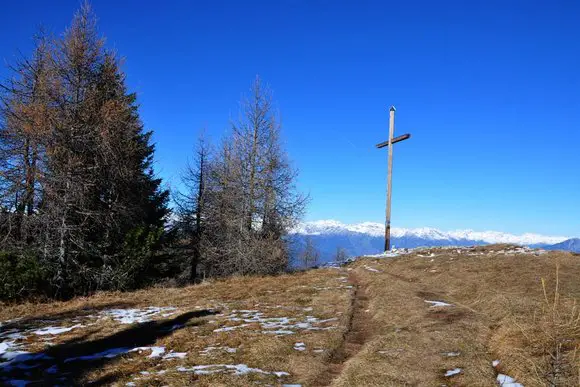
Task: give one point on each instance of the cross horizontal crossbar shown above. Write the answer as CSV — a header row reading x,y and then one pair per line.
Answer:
x,y
395,140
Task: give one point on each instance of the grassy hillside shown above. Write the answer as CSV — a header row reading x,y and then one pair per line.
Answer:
x,y
409,320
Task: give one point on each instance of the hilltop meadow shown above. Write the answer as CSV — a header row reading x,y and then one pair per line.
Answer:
x,y
454,316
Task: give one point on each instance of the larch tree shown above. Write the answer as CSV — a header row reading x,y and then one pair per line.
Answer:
x,y
24,127
192,201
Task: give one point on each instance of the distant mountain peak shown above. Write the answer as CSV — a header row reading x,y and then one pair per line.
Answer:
x,y
572,244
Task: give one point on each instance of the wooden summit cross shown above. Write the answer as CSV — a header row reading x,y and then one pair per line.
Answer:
x,y
389,143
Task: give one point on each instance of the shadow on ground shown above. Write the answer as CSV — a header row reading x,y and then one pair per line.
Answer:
x,y
68,363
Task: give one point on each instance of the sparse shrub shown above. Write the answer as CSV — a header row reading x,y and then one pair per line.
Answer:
x,y
136,264
21,275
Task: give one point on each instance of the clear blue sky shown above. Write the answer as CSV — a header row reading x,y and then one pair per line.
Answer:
x,y
490,91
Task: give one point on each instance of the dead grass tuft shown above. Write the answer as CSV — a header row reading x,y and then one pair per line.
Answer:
x,y
543,349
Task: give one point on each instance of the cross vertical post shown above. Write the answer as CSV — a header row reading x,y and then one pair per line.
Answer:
x,y
389,179
389,144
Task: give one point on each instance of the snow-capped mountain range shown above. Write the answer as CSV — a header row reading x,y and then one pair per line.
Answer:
x,y
368,237
321,227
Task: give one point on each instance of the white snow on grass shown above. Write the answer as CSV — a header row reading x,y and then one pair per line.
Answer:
x,y
132,316
13,341
155,351
279,332
435,304
208,350
452,354
11,334
227,329
507,381
235,369
391,254
175,355
452,372
275,325
55,330
300,346
6,346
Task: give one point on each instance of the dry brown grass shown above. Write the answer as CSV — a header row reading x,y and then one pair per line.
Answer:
x,y
316,293
518,308
500,313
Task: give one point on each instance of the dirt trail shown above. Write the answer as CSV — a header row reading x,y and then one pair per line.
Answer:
x,y
357,333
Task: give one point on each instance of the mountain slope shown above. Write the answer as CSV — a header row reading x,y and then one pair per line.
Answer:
x,y
567,245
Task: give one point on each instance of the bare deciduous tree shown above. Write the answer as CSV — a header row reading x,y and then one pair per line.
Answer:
x,y
26,115
341,255
310,254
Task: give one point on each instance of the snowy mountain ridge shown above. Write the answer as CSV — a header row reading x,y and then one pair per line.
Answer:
x,y
333,227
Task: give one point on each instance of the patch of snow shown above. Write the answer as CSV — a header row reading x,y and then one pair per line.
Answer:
x,y
132,316
453,372
300,346
275,325
175,355
235,369
5,346
435,304
227,329
279,332
452,354
507,381
55,330
386,254
12,334
155,351
208,350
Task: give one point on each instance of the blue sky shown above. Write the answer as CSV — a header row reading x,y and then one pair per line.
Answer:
x,y
490,91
